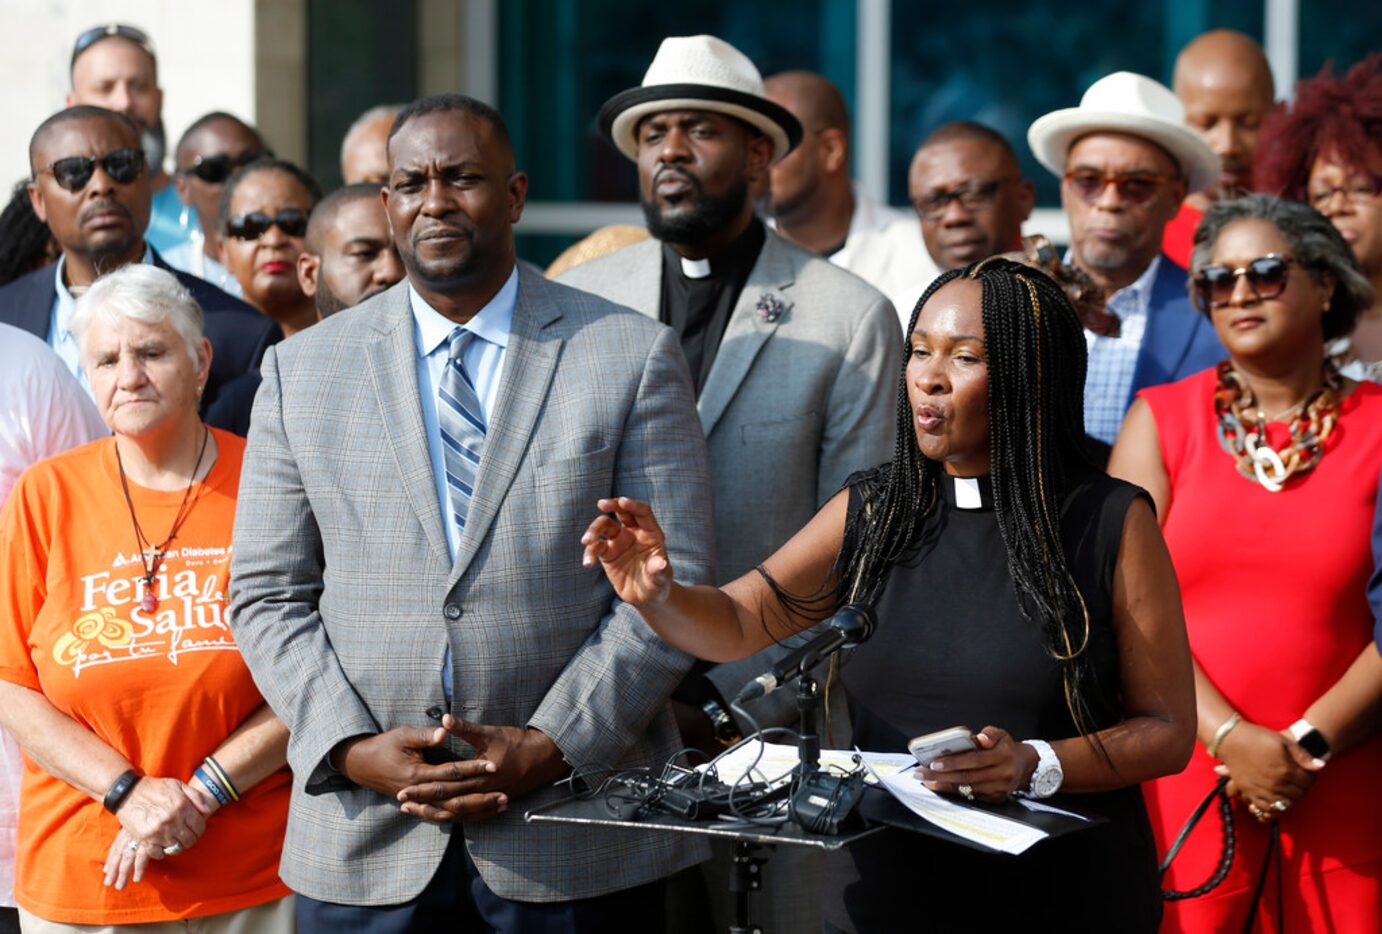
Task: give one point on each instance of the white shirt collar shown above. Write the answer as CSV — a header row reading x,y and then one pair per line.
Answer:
x,y
493,322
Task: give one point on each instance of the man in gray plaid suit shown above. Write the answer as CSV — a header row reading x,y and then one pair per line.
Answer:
x,y
419,473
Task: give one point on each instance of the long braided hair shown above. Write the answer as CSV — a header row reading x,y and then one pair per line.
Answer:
x,y
1035,348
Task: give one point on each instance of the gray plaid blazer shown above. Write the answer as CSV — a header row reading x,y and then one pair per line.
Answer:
x,y
799,397
342,588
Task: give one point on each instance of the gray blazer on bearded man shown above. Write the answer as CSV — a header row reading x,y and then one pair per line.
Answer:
x,y
799,397
344,596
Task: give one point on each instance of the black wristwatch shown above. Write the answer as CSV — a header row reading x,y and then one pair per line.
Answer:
x,y
726,730
120,790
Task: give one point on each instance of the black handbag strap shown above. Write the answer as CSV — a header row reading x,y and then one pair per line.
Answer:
x,y
1219,793
1273,849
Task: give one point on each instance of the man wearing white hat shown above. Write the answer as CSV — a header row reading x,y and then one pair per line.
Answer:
x,y
795,361
1126,161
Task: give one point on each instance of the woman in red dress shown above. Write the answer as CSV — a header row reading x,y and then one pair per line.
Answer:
x,y
1264,471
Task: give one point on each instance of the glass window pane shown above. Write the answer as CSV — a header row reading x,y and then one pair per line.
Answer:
x,y
561,59
360,53
1344,32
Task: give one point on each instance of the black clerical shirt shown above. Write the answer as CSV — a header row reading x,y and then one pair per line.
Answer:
x,y
698,307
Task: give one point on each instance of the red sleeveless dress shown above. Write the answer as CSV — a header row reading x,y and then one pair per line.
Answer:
x,y
1275,593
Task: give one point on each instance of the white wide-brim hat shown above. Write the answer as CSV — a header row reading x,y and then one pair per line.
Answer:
x,y
1124,102
699,73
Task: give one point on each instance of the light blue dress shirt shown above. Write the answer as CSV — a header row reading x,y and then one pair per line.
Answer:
x,y
59,338
1113,360
484,364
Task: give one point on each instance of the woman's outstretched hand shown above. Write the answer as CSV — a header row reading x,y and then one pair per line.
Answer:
x,y
631,548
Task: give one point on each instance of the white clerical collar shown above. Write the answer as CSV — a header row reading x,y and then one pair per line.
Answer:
x,y
968,494
695,268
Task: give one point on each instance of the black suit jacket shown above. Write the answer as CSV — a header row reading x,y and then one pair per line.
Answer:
x,y
239,336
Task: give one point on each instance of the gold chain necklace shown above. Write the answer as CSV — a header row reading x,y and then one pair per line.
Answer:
x,y
1242,428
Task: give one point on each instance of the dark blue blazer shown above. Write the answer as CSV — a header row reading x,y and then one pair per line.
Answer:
x,y
1179,340
239,335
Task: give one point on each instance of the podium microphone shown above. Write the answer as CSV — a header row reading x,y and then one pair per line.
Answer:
x,y
849,627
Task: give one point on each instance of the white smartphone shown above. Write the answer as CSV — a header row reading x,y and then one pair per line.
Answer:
x,y
932,746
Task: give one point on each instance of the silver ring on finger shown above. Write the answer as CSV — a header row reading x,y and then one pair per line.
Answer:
x,y
173,850
134,846
967,792
1280,805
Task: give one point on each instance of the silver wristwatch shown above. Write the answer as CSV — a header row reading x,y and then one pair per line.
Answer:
x,y
1047,776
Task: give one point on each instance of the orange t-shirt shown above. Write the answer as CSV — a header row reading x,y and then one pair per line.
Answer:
x,y
163,689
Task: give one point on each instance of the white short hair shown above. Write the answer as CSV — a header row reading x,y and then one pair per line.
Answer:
x,y
143,293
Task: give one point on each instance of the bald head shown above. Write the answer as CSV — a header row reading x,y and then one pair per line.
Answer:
x,y
813,99
809,188
364,156
1225,82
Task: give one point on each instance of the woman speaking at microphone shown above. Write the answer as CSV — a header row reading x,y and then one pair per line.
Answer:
x,y
1015,585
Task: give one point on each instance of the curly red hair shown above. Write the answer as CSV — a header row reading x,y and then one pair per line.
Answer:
x,y
1338,116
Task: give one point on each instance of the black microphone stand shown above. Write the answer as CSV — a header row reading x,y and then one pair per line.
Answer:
x,y
808,740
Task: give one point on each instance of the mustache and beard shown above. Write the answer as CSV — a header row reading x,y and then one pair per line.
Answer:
x,y
105,253
696,216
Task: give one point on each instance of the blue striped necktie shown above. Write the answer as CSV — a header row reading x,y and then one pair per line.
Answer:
x,y
462,423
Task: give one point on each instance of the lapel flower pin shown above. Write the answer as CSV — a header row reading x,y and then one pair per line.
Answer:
x,y
771,307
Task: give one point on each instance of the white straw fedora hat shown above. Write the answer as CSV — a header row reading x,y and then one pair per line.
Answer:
x,y
698,73
1126,103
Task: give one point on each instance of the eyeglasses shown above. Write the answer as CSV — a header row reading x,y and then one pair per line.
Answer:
x,y
1266,275
95,34
972,196
1357,191
214,170
74,173
254,225
1133,187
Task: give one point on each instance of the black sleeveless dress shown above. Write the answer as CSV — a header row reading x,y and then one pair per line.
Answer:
x,y
952,648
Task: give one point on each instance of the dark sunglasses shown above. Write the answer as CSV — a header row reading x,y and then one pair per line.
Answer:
x,y
214,170
96,33
1266,275
973,197
1133,187
74,173
254,225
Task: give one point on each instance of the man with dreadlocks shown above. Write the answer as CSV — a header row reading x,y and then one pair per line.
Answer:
x,y
1066,637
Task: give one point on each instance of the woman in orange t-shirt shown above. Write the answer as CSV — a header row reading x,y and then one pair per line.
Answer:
x,y
150,755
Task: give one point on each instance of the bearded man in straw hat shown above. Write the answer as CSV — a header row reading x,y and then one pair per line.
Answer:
x,y
1126,160
794,359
